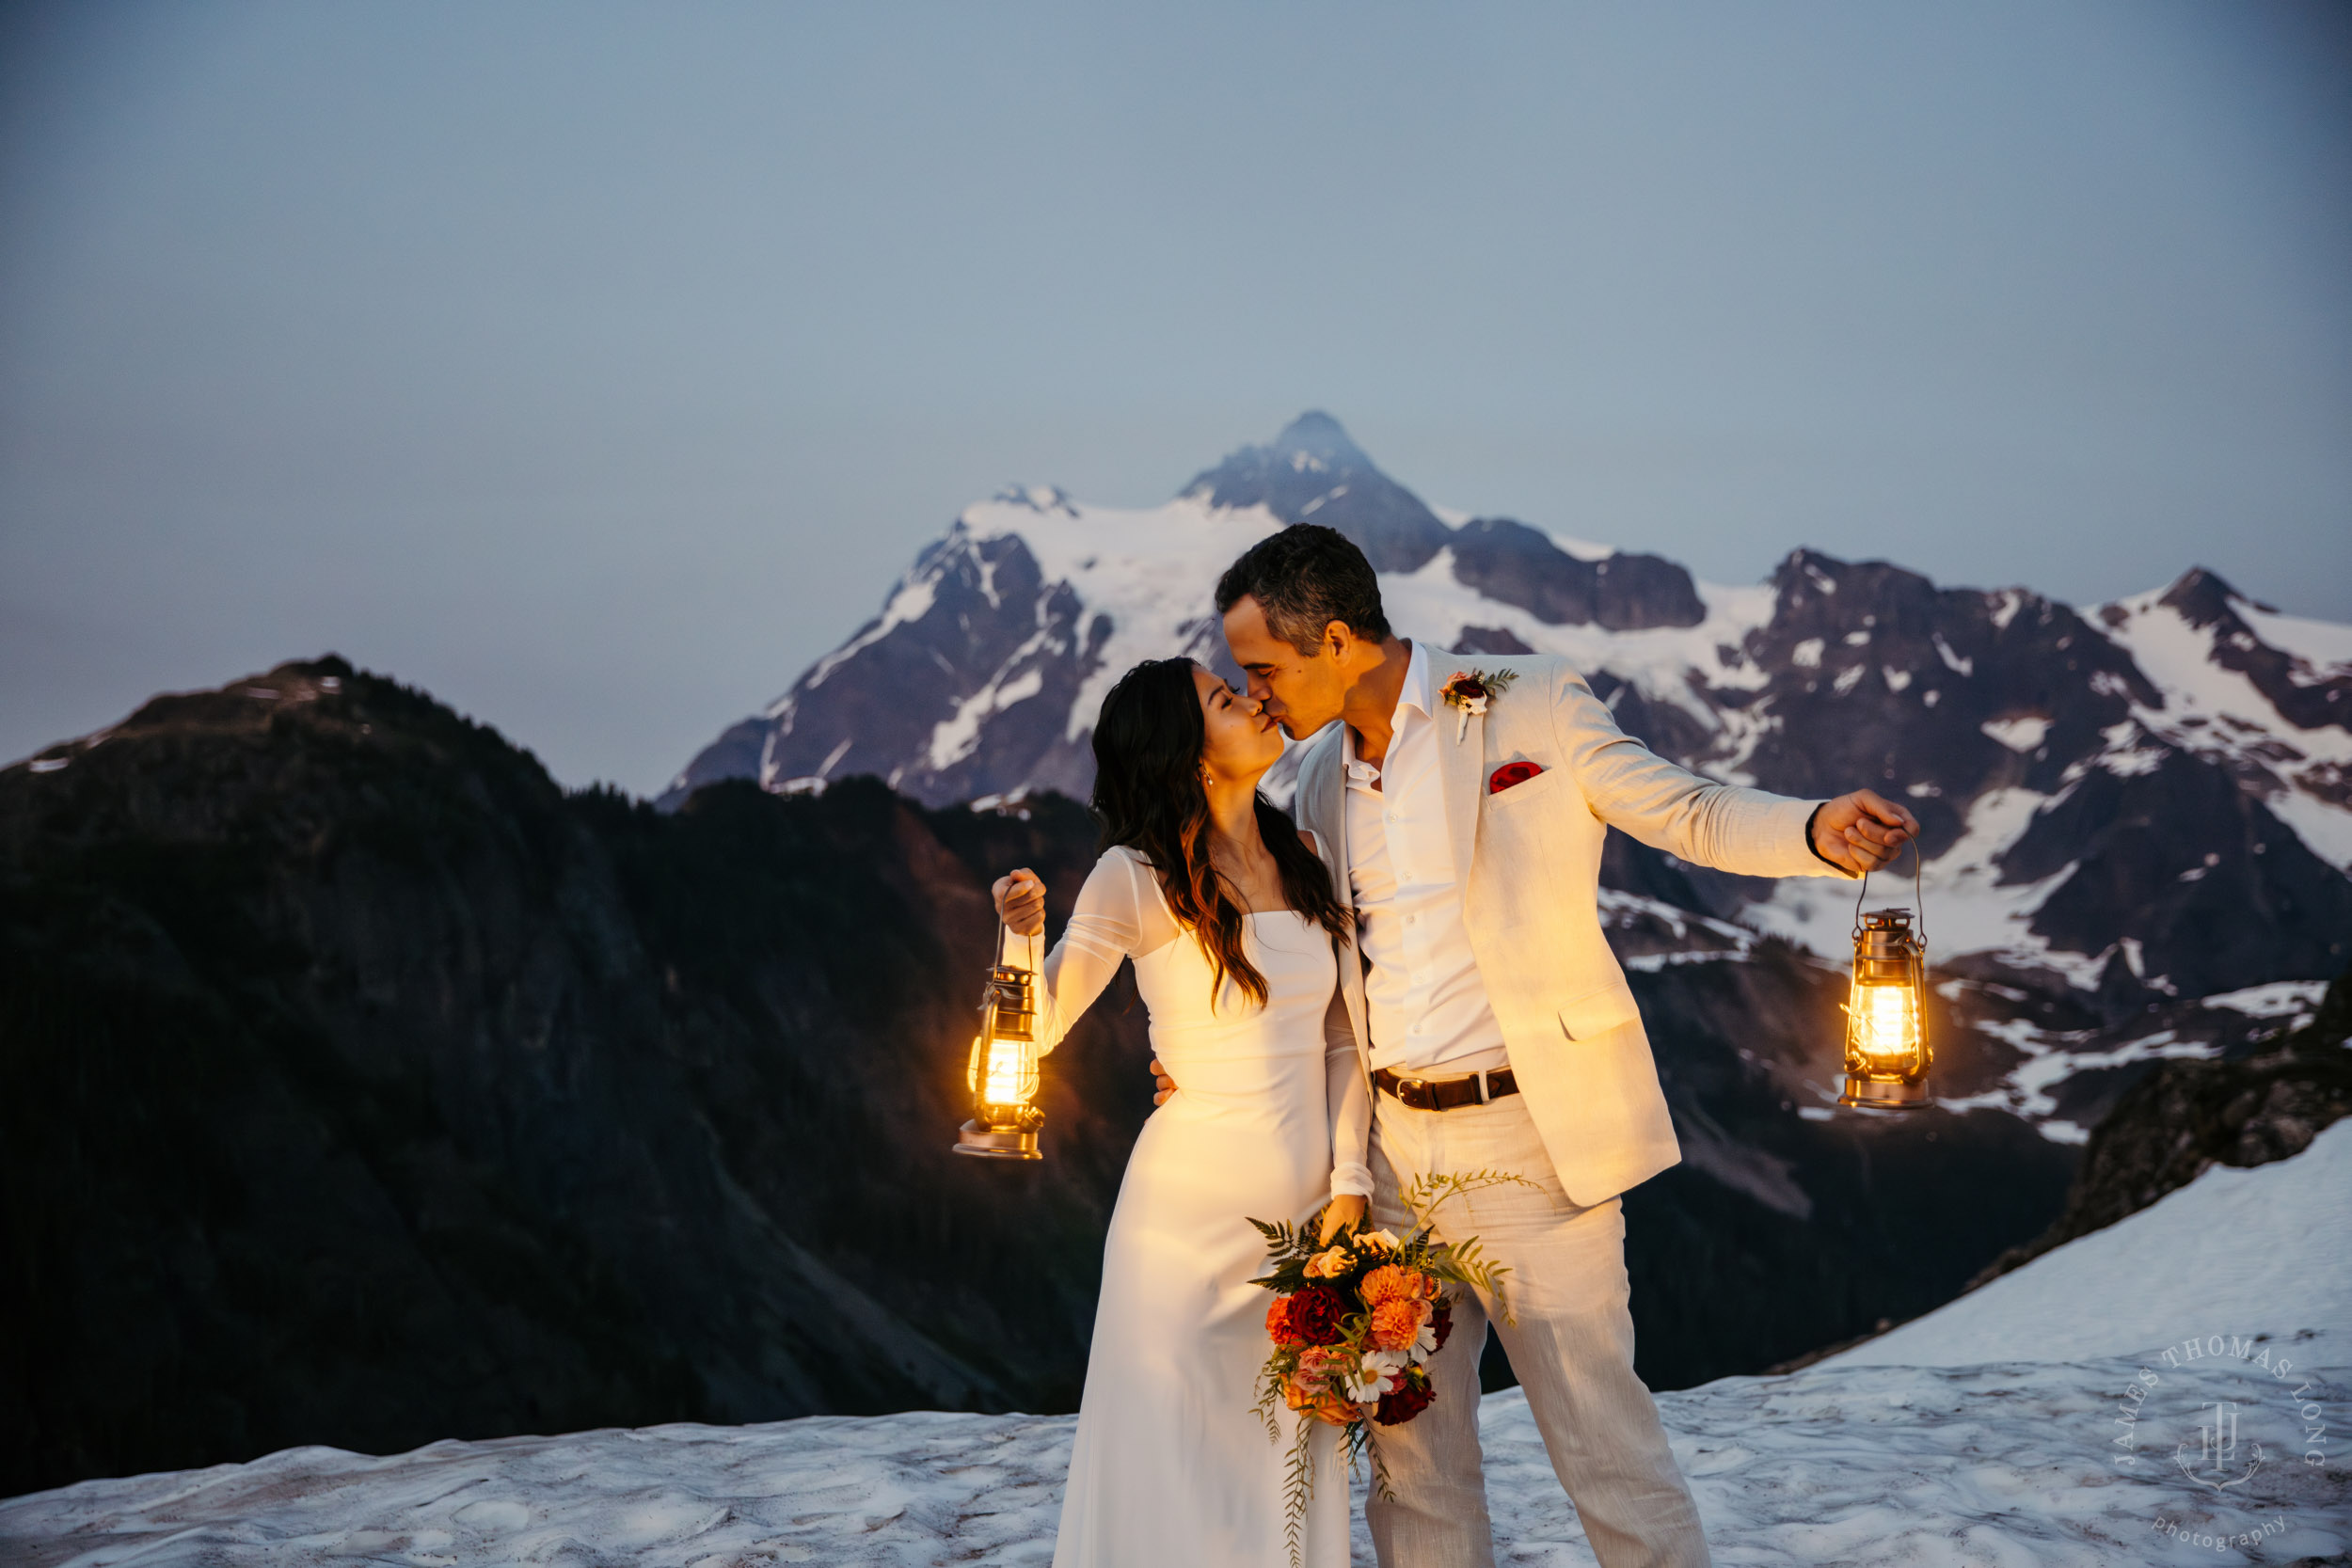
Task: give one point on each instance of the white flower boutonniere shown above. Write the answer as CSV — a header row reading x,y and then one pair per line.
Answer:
x,y
1469,692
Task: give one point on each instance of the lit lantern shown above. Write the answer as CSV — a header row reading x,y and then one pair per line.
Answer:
x,y
1003,1074
1887,1055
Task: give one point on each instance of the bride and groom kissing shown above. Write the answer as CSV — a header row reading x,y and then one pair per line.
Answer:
x,y
1409,981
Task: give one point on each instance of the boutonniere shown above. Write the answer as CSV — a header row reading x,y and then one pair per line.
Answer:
x,y
1469,692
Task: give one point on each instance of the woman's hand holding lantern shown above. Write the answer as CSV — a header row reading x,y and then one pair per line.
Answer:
x,y
1021,902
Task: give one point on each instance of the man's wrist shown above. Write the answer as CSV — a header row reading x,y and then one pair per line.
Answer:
x,y
1813,845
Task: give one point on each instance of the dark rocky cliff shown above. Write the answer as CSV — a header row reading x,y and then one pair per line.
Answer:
x,y
359,1087
2186,1118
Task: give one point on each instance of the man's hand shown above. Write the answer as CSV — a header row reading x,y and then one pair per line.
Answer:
x,y
1343,1212
1162,1083
1862,832
1021,902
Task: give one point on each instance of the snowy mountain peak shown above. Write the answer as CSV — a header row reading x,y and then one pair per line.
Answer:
x,y
1312,473
1315,439
2300,669
2202,597
1037,497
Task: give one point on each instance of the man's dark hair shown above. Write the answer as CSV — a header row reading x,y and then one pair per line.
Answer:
x,y
1305,578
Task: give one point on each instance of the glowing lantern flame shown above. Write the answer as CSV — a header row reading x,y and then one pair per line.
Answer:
x,y
1012,1072
1886,1022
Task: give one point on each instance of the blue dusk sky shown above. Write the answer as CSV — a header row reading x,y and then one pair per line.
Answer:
x,y
597,366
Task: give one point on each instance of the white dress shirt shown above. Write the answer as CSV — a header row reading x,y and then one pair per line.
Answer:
x,y
1425,1002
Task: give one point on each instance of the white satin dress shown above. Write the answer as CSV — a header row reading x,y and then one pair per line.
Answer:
x,y
1171,1466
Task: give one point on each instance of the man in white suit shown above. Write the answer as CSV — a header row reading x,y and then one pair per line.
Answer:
x,y
1496,1027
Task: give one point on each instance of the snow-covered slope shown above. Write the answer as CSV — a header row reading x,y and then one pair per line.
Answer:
x,y
2130,812
1994,1445
2270,1253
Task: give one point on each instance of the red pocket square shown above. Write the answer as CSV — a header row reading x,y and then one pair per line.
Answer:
x,y
1511,773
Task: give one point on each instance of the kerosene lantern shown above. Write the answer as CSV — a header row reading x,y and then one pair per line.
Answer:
x,y
1003,1074
1888,1054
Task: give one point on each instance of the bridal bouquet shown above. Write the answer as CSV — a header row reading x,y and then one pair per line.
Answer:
x,y
1355,1323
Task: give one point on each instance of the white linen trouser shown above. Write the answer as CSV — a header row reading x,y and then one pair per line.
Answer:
x,y
1572,1348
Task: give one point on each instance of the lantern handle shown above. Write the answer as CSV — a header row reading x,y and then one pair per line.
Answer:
x,y
1919,895
1033,938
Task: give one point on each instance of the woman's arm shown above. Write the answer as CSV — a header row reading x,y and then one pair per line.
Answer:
x,y
1110,924
1347,1097
1350,1102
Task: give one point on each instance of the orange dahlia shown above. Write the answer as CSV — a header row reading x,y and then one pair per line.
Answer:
x,y
1395,1282
1395,1323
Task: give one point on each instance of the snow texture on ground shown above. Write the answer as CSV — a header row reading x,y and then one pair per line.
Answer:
x,y
2008,1463
2061,1415
2235,1251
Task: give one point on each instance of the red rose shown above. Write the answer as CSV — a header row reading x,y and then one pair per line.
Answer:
x,y
1317,1316
1404,1402
1441,1321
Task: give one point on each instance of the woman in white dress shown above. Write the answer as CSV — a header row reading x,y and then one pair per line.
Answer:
x,y
1226,911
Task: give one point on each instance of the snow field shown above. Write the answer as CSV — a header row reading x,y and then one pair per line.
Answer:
x,y
1943,1467
1983,1436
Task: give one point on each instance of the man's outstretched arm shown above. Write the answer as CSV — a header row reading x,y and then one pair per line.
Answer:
x,y
1744,831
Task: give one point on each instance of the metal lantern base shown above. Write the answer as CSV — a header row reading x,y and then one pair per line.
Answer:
x,y
1880,1094
989,1143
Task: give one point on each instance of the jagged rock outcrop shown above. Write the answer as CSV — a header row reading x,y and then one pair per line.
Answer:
x,y
1872,675
1513,564
2302,693
2185,1118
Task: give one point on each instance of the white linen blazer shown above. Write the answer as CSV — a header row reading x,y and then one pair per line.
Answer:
x,y
1528,860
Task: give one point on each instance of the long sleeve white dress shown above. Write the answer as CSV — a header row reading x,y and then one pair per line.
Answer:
x,y
1171,1465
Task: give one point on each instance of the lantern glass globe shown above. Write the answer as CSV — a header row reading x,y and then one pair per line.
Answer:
x,y
1003,1076
1887,1057
1886,1023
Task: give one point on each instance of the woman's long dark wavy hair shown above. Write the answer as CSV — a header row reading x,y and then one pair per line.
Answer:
x,y
1147,796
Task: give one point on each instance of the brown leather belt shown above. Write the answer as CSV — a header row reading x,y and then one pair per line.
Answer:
x,y
1445,1094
